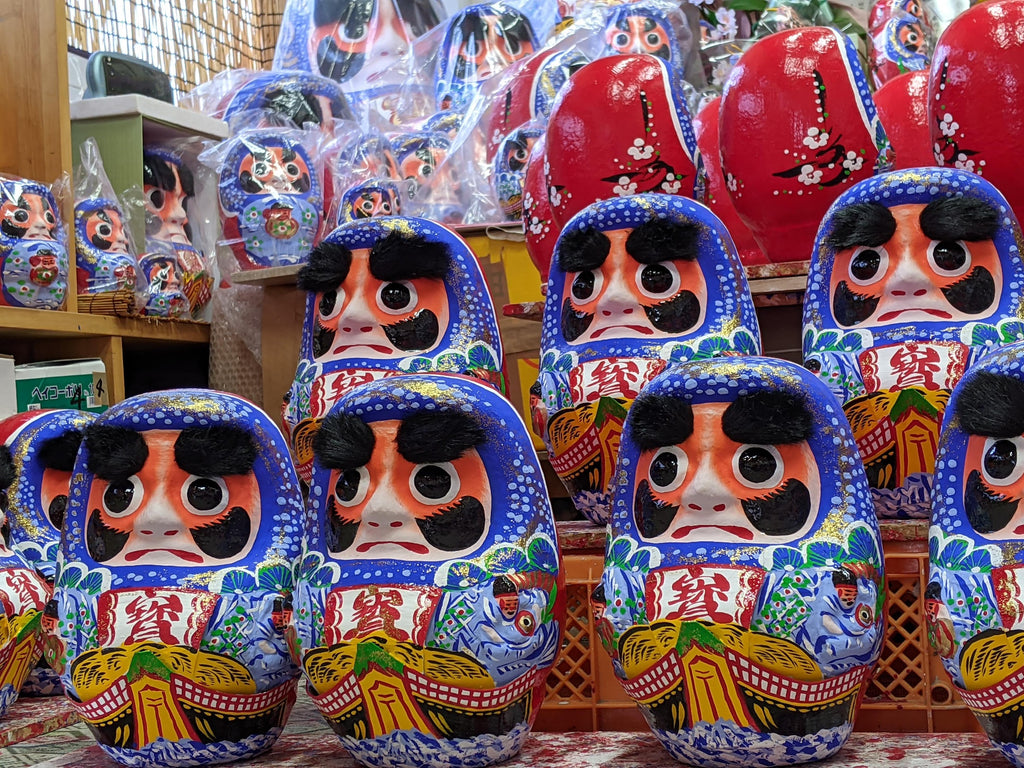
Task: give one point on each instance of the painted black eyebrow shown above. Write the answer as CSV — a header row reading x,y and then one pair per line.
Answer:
x,y
658,420
991,405
114,453
7,473
217,449
399,256
663,240
768,418
328,267
59,452
583,249
959,218
870,224
343,441
428,437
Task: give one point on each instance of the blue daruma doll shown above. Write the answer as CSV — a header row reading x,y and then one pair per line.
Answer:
x,y
974,597
742,594
428,602
170,600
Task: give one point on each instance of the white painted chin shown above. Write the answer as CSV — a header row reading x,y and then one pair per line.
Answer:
x,y
370,344
599,331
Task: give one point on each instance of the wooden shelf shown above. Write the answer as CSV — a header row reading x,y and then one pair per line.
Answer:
x,y
17,322
269,276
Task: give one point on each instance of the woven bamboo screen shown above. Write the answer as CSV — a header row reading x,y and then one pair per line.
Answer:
x,y
191,40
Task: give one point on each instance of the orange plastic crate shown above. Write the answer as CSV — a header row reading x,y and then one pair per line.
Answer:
x,y
909,692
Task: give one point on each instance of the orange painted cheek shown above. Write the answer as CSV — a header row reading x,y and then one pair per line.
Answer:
x,y
841,273
55,483
123,524
472,478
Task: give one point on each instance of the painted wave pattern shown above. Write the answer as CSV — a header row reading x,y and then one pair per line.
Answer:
x,y
412,749
726,744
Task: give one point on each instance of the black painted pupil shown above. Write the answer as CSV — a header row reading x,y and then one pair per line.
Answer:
x,y
656,279
58,507
583,286
865,264
260,169
621,39
395,296
104,229
21,216
327,302
348,485
432,481
949,255
1000,459
813,365
118,496
757,465
652,38
293,169
664,469
157,198
204,494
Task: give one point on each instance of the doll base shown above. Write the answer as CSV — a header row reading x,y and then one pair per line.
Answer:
x,y
413,749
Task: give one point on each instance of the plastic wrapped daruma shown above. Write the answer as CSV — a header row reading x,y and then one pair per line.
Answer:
x,y
23,596
385,296
104,258
33,249
974,606
176,566
797,124
428,604
742,592
916,274
636,285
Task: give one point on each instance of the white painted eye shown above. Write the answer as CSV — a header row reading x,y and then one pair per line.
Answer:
x,y
434,484
668,468
351,486
949,258
123,497
586,285
206,496
758,466
658,281
397,298
1002,460
868,265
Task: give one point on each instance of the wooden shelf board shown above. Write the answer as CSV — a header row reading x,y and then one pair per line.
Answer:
x,y
268,276
18,322
163,121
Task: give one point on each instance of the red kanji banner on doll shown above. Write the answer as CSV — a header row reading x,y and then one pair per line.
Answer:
x,y
929,366
401,612
722,594
169,616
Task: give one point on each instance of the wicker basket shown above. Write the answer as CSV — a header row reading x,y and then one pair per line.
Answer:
x,y
120,303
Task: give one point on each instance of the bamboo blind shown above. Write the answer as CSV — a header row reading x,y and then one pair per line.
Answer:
x,y
191,40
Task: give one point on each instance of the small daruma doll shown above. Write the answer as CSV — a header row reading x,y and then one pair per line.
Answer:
x,y
171,596
103,251
428,603
33,254
636,285
270,198
387,295
742,592
43,446
916,274
975,610
23,596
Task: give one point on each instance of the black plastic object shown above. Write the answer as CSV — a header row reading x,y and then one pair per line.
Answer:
x,y
114,74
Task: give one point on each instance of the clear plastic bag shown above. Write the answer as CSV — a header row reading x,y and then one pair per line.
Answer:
x,y
33,245
270,189
104,251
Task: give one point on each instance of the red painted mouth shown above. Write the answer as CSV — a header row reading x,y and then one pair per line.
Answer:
x,y
375,347
191,557
941,314
735,530
417,549
1019,530
635,328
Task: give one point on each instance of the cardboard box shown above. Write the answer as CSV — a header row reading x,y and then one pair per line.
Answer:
x,y
8,394
80,384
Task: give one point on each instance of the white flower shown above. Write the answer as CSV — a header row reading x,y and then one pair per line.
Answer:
x,y
625,187
554,196
640,150
536,226
699,3
937,151
671,184
816,138
726,28
730,182
948,126
721,71
853,161
964,163
809,175
528,201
